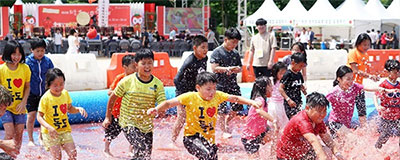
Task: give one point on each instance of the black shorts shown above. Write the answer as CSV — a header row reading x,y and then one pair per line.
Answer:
x,y
113,130
33,103
142,142
334,127
200,147
252,146
5,156
389,127
225,108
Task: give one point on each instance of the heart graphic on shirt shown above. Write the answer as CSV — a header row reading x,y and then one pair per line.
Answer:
x,y
63,108
211,111
17,82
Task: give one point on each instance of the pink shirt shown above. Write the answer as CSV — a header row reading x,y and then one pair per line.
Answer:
x,y
343,103
276,95
255,124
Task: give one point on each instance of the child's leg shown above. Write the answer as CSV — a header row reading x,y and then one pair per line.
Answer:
x,y
111,133
19,130
181,117
10,131
142,142
71,151
223,110
384,128
360,105
200,147
55,151
30,125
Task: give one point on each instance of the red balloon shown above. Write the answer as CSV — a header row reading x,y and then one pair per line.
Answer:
x,y
92,34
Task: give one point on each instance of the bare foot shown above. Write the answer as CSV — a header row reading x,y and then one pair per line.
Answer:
x,y
31,144
107,154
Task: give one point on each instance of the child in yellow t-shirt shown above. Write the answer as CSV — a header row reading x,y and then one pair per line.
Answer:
x,y
201,114
53,108
15,75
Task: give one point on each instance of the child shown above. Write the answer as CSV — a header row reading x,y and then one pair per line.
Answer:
x,y
53,108
389,109
7,146
113,130
275,103
58,41
139,92
185,80
292,83
39,65
342,97
299,139
357,60
256,128
201,108
15,75
296,47
226,63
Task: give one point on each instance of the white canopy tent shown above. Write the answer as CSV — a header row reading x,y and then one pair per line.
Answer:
x,y
268,11
293,11
393,16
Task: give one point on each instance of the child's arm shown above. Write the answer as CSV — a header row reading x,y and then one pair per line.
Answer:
x,y
316,145
304,89
110,104
377,105
242,100
73,110
363,74
164,105
21,106
264,114
53,133
251,56
332,145
285,96
228,70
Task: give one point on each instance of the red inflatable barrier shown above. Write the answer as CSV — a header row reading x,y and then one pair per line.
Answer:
x,y
248,75
377,59
1,60
162,68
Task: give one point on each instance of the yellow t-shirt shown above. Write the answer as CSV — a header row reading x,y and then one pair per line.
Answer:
x,y
137,98
14,81
361,59
55,111
201,115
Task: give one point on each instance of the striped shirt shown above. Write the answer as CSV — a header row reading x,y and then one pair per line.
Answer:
x,y
137,98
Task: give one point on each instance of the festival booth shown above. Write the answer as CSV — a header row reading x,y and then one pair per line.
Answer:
x,y
3,22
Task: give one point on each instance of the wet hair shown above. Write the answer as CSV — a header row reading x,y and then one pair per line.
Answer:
x,y
361,38
301,46
143,54
5,96
128,59
261,21
199,39
39,43
10,48
52,74
276,68
299,57
316,99
72,32
260,87
340,72
392,64
233,33
206,77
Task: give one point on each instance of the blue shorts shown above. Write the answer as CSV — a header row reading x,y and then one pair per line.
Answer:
x,y
9,117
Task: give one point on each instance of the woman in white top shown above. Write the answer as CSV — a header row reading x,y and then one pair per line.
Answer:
x,y
73,43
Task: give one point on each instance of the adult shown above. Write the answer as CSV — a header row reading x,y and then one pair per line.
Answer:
x,y
58,41
304,37
226,63
383,40
172,34
73,43
394,40
374,38
145,38
378,40
311,38
210,37
262,50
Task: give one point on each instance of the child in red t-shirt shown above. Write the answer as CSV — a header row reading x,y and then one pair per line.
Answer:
x,y
389,108
113,130
299,139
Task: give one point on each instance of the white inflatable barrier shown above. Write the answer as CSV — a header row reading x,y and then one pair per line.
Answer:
x,y
322,64
81,71
187,53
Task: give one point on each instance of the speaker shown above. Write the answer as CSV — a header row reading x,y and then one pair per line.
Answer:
x,y
286,42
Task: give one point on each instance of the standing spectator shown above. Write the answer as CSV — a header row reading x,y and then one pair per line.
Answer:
x,y
226,63
210,37
157,36
394,40
57,41
73,43
384,40
145,38
311,34
262,50
172,34
378,39
304,37
374,38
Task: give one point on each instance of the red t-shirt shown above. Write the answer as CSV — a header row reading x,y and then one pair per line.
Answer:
x,y
292,144
117,104
391,101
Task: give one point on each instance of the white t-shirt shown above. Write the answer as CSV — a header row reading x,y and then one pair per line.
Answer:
x,y
304,37
57,38
72,49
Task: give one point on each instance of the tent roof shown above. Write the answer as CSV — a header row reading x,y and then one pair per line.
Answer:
x,y
268,10
354,10
376,9
393,10
294,10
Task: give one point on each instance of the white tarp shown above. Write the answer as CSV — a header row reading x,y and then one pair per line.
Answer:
x,y
393,14
294,11
322,13
270,12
